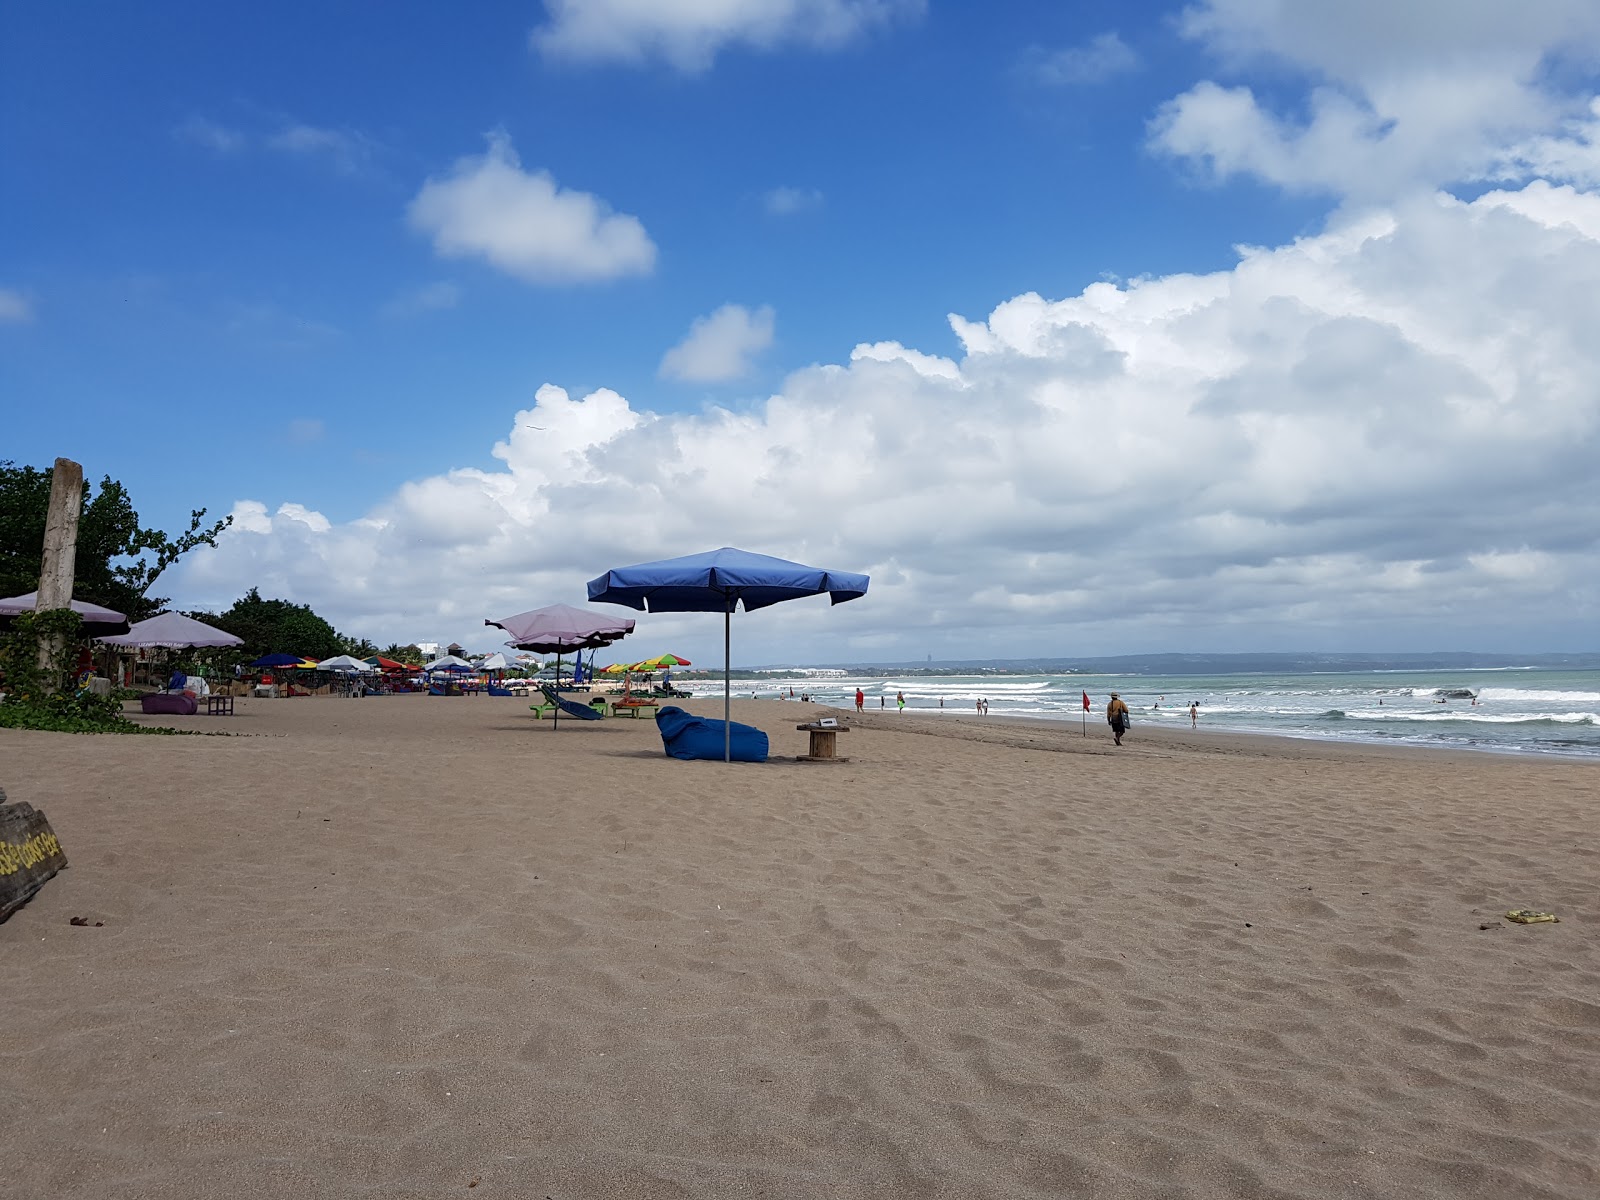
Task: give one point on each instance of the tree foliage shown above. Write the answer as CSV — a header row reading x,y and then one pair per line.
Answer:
x,y
410,653
118,559
356,647
276,627
40,698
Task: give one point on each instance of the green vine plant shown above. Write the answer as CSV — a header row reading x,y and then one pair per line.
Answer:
x,y
37,698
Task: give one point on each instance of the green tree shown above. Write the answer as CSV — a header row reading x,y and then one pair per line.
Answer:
x,y
118,559
276,627
356,647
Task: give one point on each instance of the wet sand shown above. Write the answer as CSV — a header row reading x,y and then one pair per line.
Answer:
x,y
418,947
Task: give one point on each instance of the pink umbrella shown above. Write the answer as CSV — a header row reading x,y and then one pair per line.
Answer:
x,y
560,628
97,621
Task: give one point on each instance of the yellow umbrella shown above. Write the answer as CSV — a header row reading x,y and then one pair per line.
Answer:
x,y
662,662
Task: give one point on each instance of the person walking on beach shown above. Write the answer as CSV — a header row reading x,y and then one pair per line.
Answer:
x,y
900,699
1194,714
1117,717
861,700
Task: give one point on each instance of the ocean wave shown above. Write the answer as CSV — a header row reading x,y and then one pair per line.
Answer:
x,y
1469,716
1333,714
1534,696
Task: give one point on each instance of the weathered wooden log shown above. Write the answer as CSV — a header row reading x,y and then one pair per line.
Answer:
x,y
60,564
30,854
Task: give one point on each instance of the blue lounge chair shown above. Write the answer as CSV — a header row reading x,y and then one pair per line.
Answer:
x,y
570,707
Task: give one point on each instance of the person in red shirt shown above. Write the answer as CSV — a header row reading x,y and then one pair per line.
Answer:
x,y
861,700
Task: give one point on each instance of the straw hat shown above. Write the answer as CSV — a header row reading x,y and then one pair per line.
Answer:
x,y
1114,696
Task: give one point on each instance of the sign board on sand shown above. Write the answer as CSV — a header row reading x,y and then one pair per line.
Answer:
x,y
30,854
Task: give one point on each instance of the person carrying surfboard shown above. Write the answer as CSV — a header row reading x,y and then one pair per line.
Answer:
x,y
1117,717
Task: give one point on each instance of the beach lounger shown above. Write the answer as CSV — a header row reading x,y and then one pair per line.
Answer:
x,y
633,706
571,707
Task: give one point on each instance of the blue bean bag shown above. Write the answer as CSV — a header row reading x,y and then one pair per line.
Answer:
x,y
687,736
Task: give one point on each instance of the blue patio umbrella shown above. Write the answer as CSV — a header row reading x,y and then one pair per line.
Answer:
x,y
720,581
278,660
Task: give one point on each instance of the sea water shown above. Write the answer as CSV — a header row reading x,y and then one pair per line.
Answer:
x,y
1511,709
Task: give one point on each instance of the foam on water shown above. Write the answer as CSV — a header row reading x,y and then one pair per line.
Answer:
x,y
1547,712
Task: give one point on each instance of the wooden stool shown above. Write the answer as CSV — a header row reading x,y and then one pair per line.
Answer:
x,y
824,743
219,706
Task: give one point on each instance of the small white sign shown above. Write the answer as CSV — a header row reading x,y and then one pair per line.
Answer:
x,y
828,722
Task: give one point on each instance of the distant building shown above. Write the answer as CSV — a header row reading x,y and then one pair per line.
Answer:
x,y
454,648
430,649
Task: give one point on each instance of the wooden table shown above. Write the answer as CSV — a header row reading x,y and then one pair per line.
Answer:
x,y
824,743
219,706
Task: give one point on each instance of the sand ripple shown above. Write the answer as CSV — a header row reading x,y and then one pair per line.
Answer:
x,y
400,946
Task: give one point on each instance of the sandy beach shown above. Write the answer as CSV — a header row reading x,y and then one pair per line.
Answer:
x,y
420,947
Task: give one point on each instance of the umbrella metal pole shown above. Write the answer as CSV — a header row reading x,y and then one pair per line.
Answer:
x,y
727,683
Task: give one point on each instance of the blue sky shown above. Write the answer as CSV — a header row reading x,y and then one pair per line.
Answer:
x,y
313,266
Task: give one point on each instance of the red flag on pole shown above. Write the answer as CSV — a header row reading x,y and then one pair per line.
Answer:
x,y
1086,714
1086,702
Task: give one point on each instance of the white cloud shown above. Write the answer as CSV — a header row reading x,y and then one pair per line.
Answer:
x,y
1382,436
344,149
689,33
1103,57
430,297
524,224
270,327
15,307
202,131
786,201
1395,96
1572,153
720,347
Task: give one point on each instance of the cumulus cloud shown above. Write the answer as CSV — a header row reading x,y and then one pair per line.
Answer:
x,y
720,347
521,222
1571,153
15,307
1435,99
1103,57
1383,434
688,34
786,201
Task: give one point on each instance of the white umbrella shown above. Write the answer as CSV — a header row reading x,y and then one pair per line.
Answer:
x,y
447,662
343,662
495,662
173,631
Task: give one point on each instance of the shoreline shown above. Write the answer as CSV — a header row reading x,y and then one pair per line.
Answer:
x,y
1198,738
